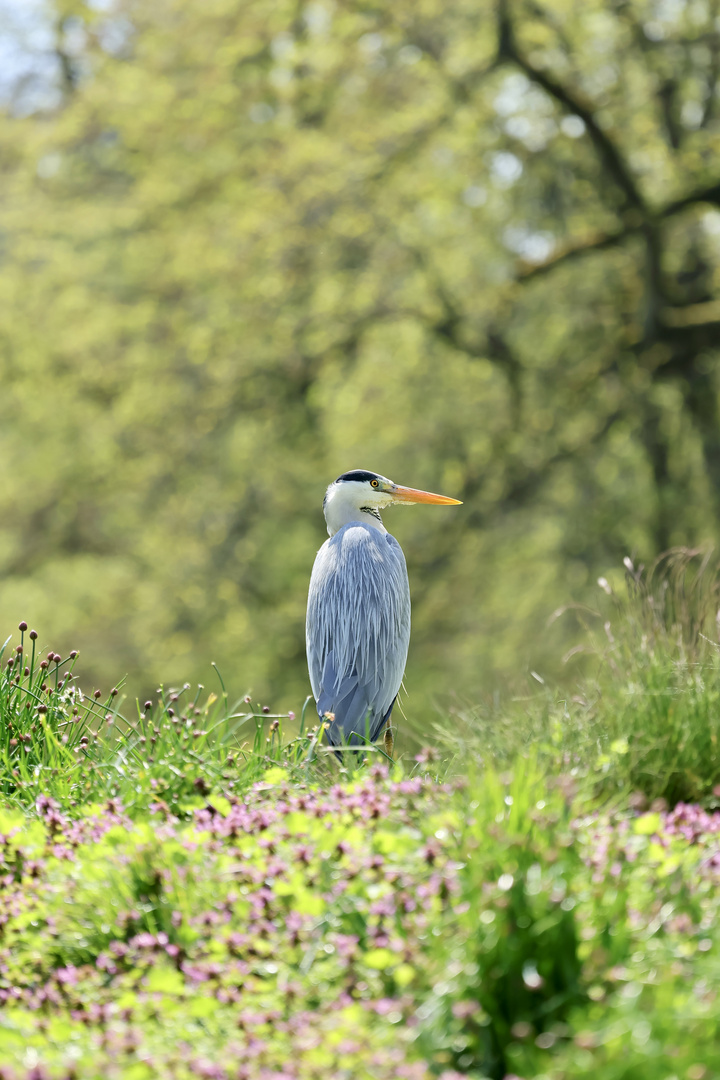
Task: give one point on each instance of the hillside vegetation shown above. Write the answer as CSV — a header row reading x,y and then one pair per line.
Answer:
x,y
196,890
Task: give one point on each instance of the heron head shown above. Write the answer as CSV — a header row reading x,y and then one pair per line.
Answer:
x,y
358,493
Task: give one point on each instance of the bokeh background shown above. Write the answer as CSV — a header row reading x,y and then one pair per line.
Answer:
x,y
246,245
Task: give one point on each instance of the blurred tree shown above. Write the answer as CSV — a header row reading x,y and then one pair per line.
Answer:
x,y
249,245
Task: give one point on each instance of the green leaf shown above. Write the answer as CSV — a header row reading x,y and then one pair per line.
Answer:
x,y
379,959
220,803
647,824
403,975
165,980
138,1071
275,775
200,1007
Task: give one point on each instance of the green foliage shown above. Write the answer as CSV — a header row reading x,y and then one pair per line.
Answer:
x,y
254,244
57,741
647,1031
507,960
46,723
193,877
660,729
383,927
656,715
643,713
649,927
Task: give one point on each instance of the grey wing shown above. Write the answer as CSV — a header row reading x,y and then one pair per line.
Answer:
x,y
358,630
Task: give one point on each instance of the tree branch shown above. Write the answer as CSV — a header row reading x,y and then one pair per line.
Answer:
x,y
571,100
594,242
67,68
709,194
602,241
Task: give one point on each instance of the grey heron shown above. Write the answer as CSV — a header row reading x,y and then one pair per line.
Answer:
x,y
358,613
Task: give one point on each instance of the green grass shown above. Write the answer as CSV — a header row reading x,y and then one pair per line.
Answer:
x,y
191,888
644,717
80,749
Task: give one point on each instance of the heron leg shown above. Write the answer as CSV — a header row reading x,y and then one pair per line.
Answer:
x,y
389,739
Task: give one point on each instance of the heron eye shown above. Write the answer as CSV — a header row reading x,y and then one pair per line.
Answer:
x,y
373,483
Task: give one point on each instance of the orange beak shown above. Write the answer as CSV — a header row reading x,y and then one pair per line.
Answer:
x,y
412,495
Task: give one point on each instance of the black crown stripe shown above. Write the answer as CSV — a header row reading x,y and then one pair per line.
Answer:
x,y
359,475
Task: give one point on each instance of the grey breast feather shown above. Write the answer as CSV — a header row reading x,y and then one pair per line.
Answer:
x,y
358,629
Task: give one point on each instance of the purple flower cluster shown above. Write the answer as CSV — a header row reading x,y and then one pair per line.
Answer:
x,y
691,822
257,918
296,932
697,827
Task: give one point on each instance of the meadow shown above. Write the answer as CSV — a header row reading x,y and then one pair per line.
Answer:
x,y
191,889
244,248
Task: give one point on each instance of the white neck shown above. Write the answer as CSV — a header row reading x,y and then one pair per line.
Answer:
x,y
344,503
